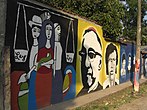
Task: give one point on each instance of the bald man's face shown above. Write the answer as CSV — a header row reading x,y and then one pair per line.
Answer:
x,y
92,59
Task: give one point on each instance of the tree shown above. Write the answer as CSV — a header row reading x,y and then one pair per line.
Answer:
x,y
144,35
130,19
138,44
107,13
116,19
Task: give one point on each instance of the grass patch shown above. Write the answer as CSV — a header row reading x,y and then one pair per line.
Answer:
x,y
114,101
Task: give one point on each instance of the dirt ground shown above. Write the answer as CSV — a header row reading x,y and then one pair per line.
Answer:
x,y
123,100
137,104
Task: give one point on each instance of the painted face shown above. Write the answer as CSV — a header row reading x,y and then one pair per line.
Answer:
x,y
123,71
57,33
123,64
48,31
47,14
129,63
112,65
145,64
92,56
35,32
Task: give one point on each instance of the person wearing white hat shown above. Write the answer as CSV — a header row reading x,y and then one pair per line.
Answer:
x,y
35,24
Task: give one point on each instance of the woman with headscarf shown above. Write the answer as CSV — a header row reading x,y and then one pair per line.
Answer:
x,y
45,61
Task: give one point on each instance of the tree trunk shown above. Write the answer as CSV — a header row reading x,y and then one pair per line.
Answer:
x,y
138,44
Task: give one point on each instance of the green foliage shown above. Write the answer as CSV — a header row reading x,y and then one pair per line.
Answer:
x,y
108,13
144,35
130,19
144,30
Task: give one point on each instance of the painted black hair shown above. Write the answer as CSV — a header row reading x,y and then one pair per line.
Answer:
x,y
110,48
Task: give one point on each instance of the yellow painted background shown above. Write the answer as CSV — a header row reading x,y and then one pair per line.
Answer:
x,y
82,26
106,43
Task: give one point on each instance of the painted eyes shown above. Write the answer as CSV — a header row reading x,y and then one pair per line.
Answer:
x,y
48,29
36,30
58,28
111,59
92,55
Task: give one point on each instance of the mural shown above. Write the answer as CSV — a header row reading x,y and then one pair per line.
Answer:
x,y
123,67
56,56
127,62
145,65
42,56
111,60
91,59
130,51
69,91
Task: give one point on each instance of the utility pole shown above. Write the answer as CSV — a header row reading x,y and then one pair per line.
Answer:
x,y
138,44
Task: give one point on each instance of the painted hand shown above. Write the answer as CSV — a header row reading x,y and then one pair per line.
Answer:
x,y
22,78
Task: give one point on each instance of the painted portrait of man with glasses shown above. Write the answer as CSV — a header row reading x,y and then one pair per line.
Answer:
x,y
91,60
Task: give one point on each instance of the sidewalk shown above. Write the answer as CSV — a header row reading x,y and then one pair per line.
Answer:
x,y
137,104
85,99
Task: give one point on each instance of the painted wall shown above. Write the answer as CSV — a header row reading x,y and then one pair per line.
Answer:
x,y
127,62
57,56
144,65
92,66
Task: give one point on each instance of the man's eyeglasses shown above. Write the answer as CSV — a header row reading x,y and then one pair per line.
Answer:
x,y
91,54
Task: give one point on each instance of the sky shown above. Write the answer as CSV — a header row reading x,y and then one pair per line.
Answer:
x,y
124,2
145,17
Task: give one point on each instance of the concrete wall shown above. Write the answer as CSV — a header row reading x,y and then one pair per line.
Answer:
x,y
5,80
2,37
2,22
56,56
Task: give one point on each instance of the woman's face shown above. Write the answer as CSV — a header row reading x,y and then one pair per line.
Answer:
x,y
35,32
58,33
48,31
